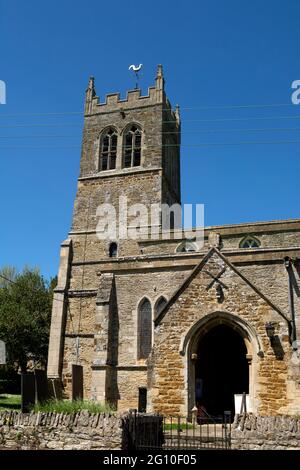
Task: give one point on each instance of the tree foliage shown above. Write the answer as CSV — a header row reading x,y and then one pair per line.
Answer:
x,y
25,313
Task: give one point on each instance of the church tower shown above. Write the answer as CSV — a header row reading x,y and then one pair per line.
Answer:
x,y
130,147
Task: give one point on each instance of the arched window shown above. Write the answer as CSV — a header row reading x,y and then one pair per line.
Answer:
x,y
186,247
108,150
113,250
132,147
161,302
144,329
250,242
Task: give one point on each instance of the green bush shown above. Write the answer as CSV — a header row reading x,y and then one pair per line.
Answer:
x,y
67,406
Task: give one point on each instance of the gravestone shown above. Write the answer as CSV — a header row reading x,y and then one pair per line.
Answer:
x,y
77,382
27,391
2,353
41,385
34,389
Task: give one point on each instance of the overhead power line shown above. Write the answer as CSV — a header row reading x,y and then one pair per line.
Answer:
x,y
35,291
196,131
256,118
240,106
203,144
11,126
186,108
244,119
62,113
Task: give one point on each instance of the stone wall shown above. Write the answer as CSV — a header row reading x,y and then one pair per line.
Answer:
x,y
250,432
78,431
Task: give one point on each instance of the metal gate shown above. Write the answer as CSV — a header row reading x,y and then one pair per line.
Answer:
x,y
159,432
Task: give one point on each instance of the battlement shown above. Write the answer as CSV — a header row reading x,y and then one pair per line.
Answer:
x,y
134,98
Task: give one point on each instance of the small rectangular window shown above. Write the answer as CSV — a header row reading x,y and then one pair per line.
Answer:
x,y
142,405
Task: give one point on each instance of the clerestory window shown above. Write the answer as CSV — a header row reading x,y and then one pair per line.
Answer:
x,y
186,247
250,242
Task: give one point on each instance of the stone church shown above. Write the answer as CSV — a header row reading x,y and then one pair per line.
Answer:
x,y
163,325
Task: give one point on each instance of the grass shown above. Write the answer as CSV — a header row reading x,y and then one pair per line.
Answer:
x,y
176,426
10,402
67,406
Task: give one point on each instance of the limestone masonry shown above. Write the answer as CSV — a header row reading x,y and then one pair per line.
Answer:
x,y
165,324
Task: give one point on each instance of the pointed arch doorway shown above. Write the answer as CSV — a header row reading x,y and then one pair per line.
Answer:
x,y
221,369
222,352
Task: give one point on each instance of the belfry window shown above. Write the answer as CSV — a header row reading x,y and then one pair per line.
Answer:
x,y
144,329
250,242
108,150
132,147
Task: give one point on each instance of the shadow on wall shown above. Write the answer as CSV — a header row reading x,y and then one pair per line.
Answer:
x,y
294,280
277,347
111,384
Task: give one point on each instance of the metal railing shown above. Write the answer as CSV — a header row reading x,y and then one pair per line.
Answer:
x,y
148,432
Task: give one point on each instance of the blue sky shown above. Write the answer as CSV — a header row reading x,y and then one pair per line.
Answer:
x,y
217,54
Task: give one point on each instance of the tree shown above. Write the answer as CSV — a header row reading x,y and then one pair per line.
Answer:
x,y
25,313
7,274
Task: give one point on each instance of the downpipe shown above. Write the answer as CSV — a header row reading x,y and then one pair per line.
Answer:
x,y
293,334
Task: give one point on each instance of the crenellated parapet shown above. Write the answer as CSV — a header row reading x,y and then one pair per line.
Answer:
x,y
134,98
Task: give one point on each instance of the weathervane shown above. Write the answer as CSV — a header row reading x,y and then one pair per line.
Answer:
x,y
136,69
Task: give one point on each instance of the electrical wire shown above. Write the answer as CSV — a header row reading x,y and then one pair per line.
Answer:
x,y
35,291
255,118
151,147
199,131
186,108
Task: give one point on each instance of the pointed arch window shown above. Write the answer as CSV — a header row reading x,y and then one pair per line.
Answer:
x,y
250,242
160,304
144,329
132,147
108,150
186,247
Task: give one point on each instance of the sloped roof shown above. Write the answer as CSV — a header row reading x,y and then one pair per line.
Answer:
x,y
198,268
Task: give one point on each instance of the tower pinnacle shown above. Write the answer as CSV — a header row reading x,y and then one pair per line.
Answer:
x,y
160,82
89,95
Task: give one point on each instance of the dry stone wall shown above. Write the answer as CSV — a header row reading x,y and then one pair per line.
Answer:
x,y
250,432
78,431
